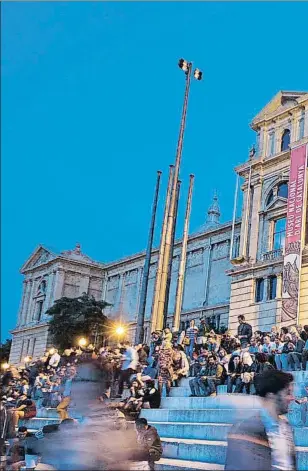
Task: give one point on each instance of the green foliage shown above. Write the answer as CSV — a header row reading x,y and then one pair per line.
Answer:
x,y
76,317
5,349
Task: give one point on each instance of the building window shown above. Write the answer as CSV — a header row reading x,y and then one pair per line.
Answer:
x,y
39,310
301,125
285,139
259,290
282,190
279,234
271,144
42,287
270,197
272,287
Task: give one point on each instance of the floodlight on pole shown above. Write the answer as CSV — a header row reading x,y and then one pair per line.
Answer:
x,y
187,68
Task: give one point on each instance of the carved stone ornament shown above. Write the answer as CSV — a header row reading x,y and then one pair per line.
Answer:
x,y
43,258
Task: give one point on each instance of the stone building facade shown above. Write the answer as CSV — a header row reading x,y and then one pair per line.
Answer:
x,y
223,278
256,276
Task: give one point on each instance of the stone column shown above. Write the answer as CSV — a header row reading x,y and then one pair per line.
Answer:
x,y
22,303
49,291
244,230
260,237
206,269
30,302
84,284
26,303
104,285
279,286
265,289
254,225
119,294
59,284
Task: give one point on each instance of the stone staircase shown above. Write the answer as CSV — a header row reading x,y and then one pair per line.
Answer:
x,y
194,430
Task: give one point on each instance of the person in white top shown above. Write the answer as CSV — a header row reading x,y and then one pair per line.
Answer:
x,y
54,359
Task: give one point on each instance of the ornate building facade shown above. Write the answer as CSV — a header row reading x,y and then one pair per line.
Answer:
x,y
231,269
256,276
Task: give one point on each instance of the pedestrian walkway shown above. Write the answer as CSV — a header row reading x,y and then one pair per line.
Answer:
x,y
194,430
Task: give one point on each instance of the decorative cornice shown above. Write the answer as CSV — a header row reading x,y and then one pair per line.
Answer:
x,y
27,328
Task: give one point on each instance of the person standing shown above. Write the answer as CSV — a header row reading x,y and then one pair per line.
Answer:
x,y
264,441
244,331
129,366
191,334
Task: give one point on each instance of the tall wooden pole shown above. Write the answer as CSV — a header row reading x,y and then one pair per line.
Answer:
x,y
146,269
171,257
181,274
171,216
161,252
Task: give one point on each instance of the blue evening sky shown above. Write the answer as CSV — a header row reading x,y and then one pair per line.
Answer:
x,y
91,100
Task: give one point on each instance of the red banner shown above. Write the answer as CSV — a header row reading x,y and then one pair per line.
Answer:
x,y
294,230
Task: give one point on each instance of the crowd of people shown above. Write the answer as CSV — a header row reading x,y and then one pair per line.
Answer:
x,y
208,359
42,383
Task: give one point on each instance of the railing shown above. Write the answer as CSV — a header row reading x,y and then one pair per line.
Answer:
x,y
272,255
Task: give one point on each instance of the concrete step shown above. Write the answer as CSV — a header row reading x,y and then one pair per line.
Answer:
x,y
180,391
183,465
242,401
37,423
184,391
209,451
300,381
209,416
197,431
212,431
46,413
212,451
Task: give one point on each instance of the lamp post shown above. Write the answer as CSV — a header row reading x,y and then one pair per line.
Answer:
x,y
146,269
187,68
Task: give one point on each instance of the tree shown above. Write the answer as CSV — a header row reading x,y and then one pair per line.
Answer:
x,y
76,317
5,349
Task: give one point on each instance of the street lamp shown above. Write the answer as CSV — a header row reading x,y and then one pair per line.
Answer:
x,y
5,366
120,330
82,342
160,315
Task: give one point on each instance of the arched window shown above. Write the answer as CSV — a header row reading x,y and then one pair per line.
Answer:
x,y
285,140
270,197
282,190
43,287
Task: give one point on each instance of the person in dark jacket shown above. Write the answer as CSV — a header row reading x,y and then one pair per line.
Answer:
x,y
244,331
150,448
264,442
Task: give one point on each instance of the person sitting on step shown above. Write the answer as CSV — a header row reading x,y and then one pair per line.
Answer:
x,y
209,377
